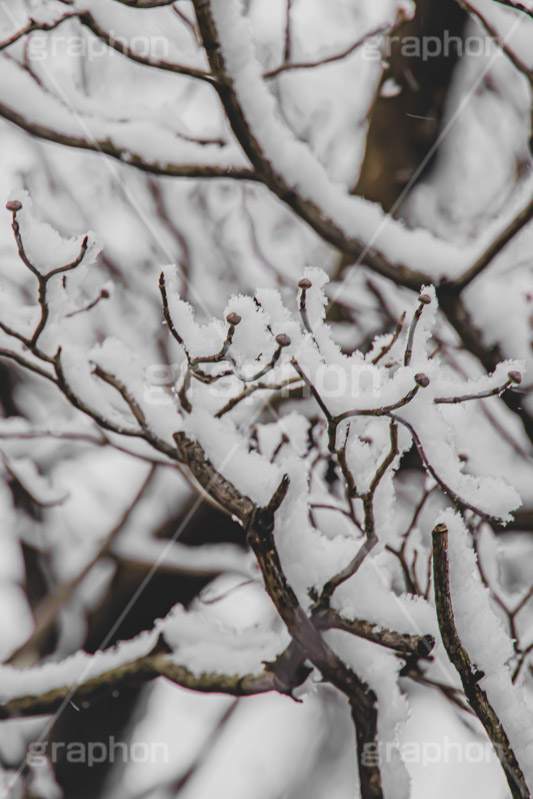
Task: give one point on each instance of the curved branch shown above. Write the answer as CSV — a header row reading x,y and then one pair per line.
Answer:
x,y
516,6
444,486
122,154
36,26
146,3
124,49
331,59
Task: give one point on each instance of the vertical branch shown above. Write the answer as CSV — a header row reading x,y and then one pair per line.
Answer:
x,y
369,523
15,206
287,50
423,299
362,700
468,672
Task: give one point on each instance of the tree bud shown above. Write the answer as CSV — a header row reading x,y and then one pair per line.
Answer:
x,y
422,380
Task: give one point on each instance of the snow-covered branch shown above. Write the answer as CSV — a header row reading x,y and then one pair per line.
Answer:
x,y
473,675
376,406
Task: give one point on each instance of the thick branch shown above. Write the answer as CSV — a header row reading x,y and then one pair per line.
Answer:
x,y
259,523
307,210
304,633
137,672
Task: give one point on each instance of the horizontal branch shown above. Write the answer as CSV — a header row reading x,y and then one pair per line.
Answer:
x,y
35,26
146,3
282,675
514,379
136,672
405,644
122,154
331,59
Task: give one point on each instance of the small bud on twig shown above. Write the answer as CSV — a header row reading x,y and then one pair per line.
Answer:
x,y
14,206
283,340
515,377
422,380
425,299
304,283
233,318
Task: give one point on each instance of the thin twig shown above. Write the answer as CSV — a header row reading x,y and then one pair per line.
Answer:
x,y
523,218
33,25
331,59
